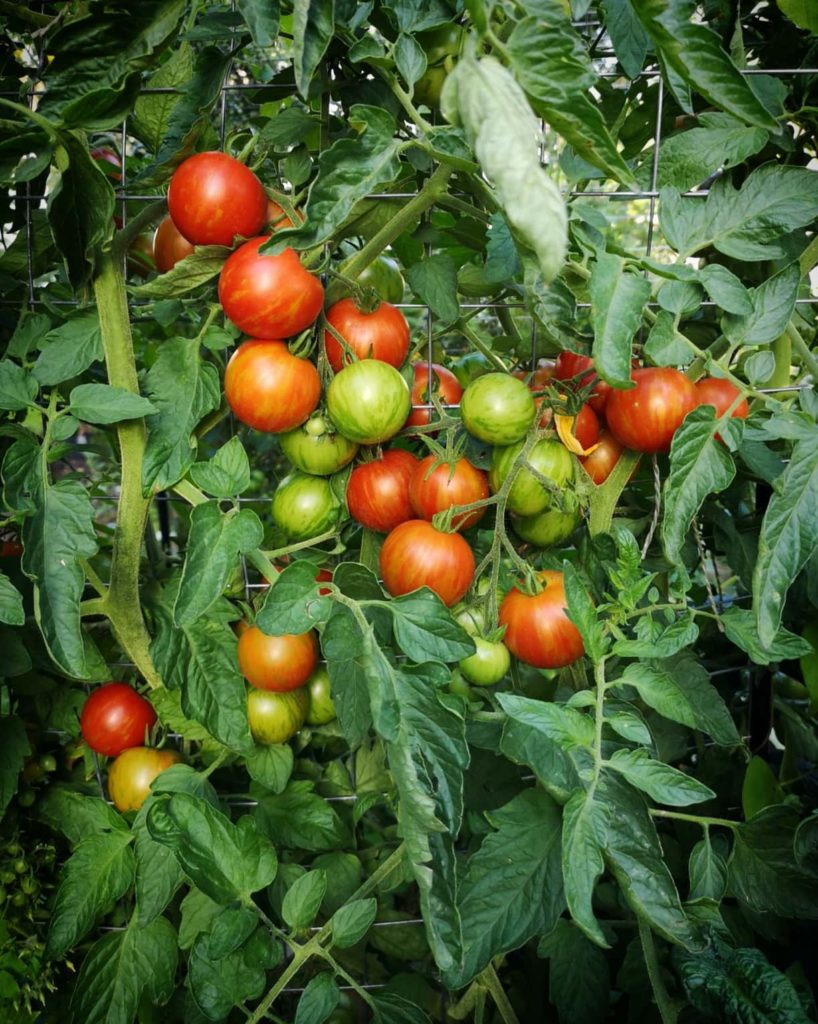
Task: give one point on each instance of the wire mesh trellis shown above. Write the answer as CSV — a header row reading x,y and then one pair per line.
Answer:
x,y
647,197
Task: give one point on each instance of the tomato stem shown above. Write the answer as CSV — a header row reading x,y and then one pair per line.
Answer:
x,y
489,978
667,1010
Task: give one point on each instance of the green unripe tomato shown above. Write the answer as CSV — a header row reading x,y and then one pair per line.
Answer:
x,y
276,717
383,275
547,528
7,877
14,849
321,708
48,763
441,46
26,798
469,367
497,408
487,665
30,885
19,899
470,619
305,506
314,448
528,496
20,866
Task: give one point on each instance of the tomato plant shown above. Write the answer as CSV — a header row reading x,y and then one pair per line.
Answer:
x,y
497,408
415,554
445,386
435,488
276,717
646,417
114,718
277,663
305,506
383,274
270,389
538,630
212,198
267,296
381,333
131,774
378,491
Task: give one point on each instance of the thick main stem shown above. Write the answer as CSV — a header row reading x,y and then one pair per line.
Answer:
x,y
122,603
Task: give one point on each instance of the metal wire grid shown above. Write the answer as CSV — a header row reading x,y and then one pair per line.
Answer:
x,y
650,195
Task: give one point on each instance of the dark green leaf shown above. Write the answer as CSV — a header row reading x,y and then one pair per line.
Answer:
x,y
300,819
313,25
101,403
18,389
293,604
122,968
629,39
512,888
69,349
14,749
224,860
578,975
394,1009
725,289
666,345
261,18
760,789
434,282
320,997
664,643
226,474
184,389
303,899
78,814
11,606
582,613
617,300
789,537
585,823
719,141
272,766
707,870
352,921
100,871
425,631
216,541
152,110
219,986
694,52
665,784
773,305
230,930
740,627
409,59
524,744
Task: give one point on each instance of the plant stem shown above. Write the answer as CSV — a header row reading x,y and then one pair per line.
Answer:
x,y
122,602
802,349
300,956
667,1011
489,978
604,498
147,216
434,187
656,812
472,336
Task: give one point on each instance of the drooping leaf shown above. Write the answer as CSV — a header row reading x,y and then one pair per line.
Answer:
x,y
262,19
617,300
313,26
14,749
585,822
741,629
578,975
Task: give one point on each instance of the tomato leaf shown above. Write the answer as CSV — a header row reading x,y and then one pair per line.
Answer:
x,y
262,19
578,974
293,604
300,819
634,855
152,110
434,282
688,158
78,814
225,861
201,266
617,301
661,641
121,968
226,474
11,604
313,26
566,726
524,744
680,689
271,765
410,59
303,899
352,921
628,37
582,613
100,871
552,65
725,289
741,629
424,629
18,389
665,784
69,349
184,390
56,538
14,749
320,997
101,403
512,888
215,542
789,536
707,870
584,828
699,465
694,52
773,304
220,985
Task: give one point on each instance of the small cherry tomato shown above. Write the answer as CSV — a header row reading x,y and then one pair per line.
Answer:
x,y
368,401
131,774
114,718
277,663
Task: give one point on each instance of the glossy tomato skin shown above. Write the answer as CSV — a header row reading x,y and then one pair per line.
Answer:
x,y
487,665
497,408
321,709
432,490
131,774
276,218
415,555
445,385
276,717
378,491
305,506
270,389
569,365
538,630
384,276
269,296
114,718
382,334
315,448
721,394
600,463
212,197
548,528
646,417
169,246
528,496
368,401
277,663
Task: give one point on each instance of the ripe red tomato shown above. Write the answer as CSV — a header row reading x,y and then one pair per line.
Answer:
x,y
433,490
538,631
646,417
382,334
114,718
269,296
445,385
270,389
277,663
276,717
10,547
586,424
131,774
169,246
415,555
600,463
368,401
540,377
212,198
378,491
569,365
721,394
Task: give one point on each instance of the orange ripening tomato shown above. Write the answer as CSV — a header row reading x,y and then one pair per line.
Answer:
x,y
131,774
538,630
434,490
382,334
721,394
169,246
416,555
277,663
600,463
213,198
445,385
270,389
645,417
